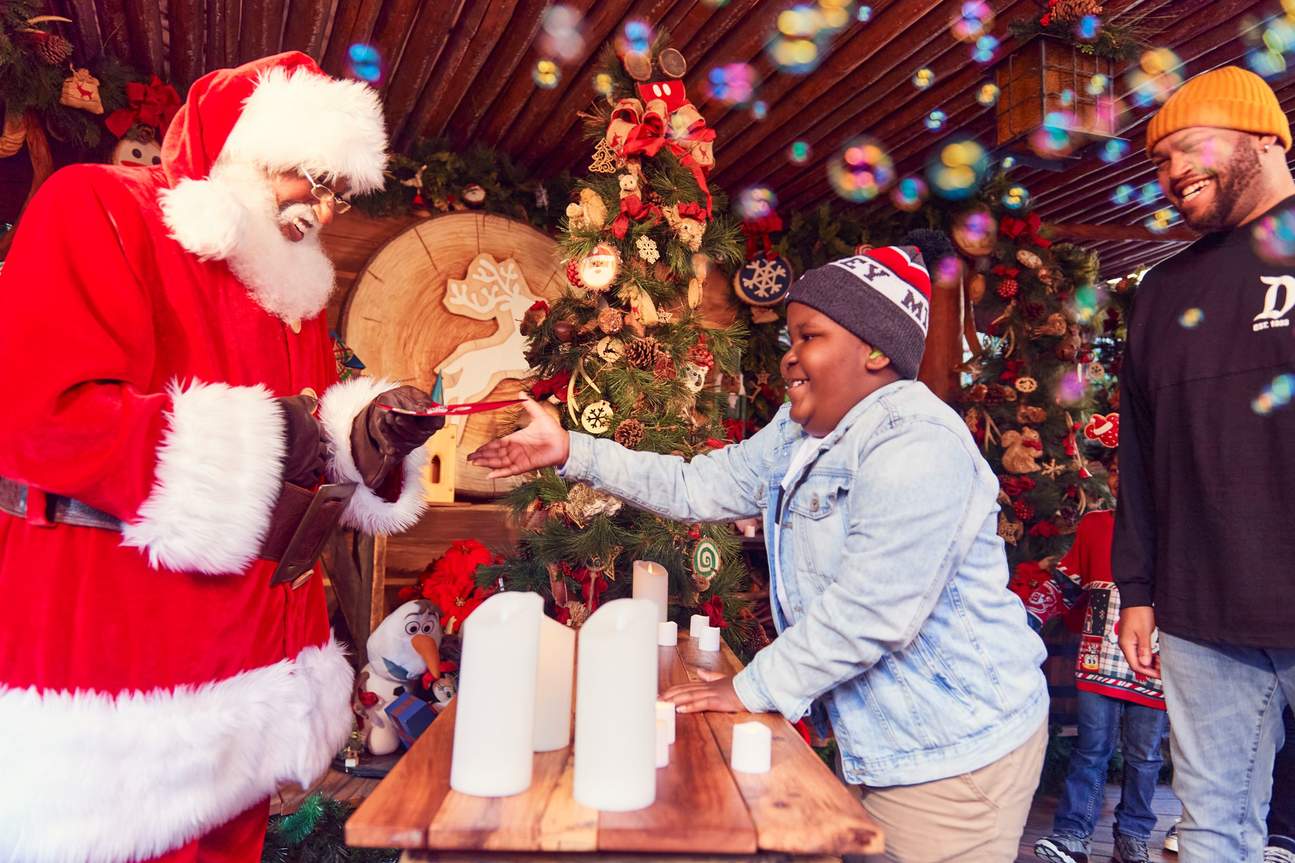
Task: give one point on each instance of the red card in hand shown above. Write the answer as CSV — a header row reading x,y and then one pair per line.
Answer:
x,y
437,410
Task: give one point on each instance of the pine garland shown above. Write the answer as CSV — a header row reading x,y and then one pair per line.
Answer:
x,y
315,833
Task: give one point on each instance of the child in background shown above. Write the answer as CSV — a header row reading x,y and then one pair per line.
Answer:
x,y
1109,693
887,573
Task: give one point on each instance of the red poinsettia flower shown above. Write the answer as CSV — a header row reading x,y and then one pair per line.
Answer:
x,y
451,585
714,609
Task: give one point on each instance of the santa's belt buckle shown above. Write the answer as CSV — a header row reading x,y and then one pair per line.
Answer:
x,y
316,525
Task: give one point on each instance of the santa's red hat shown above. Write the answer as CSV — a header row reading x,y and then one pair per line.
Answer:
x,y
281,114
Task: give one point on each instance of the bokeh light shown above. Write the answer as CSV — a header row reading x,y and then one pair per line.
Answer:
x,y
936,119
1071,387
1154,79
756,203
1087,27
603,84
923,78
957,169
794,56
1123,194
987,94
1097,85
1273,238
1016,198
560,35
1191,318
909,194
985,50
947,272
759,109
861,170
1053,139
546,74
1161,220
1149,194
864,15
799,152
731,84
636,37
364,62
1276,395
973,20
1113,150
975,231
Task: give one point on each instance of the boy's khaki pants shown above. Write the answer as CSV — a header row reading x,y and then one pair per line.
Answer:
x,y
977,817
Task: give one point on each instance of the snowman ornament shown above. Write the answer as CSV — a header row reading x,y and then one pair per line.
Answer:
x,y
138,148
403,647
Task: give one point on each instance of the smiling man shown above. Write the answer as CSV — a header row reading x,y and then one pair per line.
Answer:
x,y
165,656
1203,542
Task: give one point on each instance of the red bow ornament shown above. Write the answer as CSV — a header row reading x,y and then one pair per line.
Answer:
x,y
757,233
153,104
1029,227
632,207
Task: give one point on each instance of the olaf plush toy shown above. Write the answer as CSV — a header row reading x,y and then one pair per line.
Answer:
x,y
404,646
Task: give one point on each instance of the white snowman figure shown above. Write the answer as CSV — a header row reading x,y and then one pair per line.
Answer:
x,y
403,647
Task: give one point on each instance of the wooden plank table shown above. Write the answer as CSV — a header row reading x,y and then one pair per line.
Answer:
x,y
704,811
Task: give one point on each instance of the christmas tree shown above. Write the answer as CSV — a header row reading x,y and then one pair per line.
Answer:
x,y
625,354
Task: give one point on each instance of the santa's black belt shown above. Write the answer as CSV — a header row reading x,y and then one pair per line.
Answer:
x,y
299,525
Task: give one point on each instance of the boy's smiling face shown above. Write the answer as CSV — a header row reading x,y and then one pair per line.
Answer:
x,y
828,369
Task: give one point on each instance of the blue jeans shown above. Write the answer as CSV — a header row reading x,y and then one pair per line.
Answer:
x,y
1225,709
1099,732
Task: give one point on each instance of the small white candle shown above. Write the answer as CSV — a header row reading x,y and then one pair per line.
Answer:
x,y
752,747
665,713
710,639
616,687
556,677
662,744
495,725
748,531
667,633
697,625
651,582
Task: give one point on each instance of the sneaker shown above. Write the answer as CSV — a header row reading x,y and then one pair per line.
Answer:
x,y
1273,854
1130,850
1171,837
1061,849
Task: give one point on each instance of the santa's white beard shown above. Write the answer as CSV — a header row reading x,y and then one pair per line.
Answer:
x,y
292,280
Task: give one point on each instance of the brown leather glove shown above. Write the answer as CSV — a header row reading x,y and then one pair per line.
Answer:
x,y
380,439
306,448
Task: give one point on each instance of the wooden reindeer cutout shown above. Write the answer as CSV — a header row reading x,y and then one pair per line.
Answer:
x,y
491,289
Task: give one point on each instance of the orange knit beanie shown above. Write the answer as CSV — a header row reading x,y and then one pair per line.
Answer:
x,y
1227,98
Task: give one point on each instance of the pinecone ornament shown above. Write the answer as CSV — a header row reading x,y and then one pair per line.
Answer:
x,y
641,353
664,369
1070,11
1008,287
53,49
629,433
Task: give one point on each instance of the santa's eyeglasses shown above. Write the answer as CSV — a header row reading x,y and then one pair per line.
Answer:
x,y
325,195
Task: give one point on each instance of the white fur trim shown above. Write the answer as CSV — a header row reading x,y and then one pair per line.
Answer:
x,y
367,511
300,119
204,217
218,477
111,778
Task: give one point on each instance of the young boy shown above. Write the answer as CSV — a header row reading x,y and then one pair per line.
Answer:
x,y
888,576
1109,692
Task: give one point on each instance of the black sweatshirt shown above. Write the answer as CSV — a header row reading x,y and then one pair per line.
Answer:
x,y
1205,528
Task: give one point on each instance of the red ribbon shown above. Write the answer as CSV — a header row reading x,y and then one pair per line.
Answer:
x,y
713,608
439,410
757,231
632,207
1004,270
554,386
649,136
593,586
1012,228
152,104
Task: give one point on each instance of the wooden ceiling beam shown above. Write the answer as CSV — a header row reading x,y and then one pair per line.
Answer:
x,y
452,55
353,23
431,32
1078,232
390,32
89,40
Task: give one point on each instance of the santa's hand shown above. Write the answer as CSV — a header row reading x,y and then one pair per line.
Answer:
x,y
305,446
543,443
381,438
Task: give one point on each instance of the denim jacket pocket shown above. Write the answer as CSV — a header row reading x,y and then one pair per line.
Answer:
x,y
819,515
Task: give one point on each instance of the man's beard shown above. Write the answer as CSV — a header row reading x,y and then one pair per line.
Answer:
x,y
1232,183
292,280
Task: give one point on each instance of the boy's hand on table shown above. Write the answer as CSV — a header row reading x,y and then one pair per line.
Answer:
x,y
715,694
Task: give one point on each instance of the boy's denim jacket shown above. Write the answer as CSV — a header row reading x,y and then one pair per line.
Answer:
x,y
900,620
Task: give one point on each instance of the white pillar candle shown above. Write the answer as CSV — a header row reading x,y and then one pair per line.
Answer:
x,y
667,633
697,625
495,724
662,744
553,684
710,639
653,583
616,687
665,713
752,747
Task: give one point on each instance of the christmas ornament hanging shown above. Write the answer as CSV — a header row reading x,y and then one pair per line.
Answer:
x,y
599,269
763,281
81,90
1105,429
1026,384
647,249
642,353
705,562
1028,259
564,330
53,49
694,377
474,195
597,417
1007,287
629,433
605,159
672,63
138,148
638,65
609,350
610,320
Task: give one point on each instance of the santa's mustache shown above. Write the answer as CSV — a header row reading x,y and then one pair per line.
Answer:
x,y
300,216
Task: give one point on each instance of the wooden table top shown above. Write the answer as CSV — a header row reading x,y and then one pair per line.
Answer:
x,y
702,806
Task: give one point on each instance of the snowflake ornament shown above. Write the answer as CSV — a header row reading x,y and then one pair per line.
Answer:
x,y
763,281
647,249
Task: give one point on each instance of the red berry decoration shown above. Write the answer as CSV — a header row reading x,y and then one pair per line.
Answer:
x,y
1024,511
700,356
573,275
1008,287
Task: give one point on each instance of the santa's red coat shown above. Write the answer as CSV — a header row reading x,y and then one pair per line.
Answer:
x,y
152,683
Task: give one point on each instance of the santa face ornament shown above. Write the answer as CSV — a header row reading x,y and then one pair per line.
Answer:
x,y
599,269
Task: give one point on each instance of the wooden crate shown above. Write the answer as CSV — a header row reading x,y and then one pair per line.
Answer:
x,y
1033,79
366,572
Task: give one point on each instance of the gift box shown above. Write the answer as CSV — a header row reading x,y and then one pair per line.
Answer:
x,y
411,716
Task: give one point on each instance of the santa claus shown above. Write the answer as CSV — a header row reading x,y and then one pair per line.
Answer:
x,y
167,475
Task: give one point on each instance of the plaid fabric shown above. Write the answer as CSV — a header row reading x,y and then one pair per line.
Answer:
x,y
1101,665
